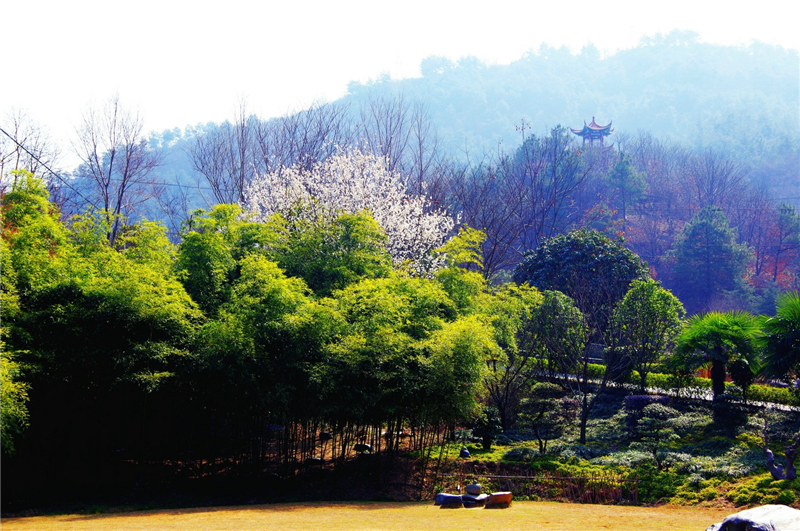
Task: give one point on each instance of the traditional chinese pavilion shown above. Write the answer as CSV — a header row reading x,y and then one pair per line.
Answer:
x,y
593,131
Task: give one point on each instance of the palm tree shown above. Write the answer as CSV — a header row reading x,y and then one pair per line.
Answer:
x,y
720,340
781,337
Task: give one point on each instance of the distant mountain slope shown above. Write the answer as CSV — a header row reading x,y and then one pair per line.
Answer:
x,y
744,100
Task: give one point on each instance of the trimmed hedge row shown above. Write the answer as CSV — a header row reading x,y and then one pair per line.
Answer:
x,y
696,387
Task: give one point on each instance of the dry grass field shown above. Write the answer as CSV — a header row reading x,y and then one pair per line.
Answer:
x,y
548,516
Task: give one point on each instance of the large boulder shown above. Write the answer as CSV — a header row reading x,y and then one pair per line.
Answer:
x,y
449,501
474,489
498,500
764,518
471,501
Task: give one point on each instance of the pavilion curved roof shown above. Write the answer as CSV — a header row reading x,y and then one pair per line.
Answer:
x,y
594,128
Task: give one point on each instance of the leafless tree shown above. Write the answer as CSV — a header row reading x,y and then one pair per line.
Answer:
x,y
489,199
552,171
716,178
753,214
423,159
666,205
176,206
225,156
230,155
302,138
25,145
385,128
117,162
521,199
30,147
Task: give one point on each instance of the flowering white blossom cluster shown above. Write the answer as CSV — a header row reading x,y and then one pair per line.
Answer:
x,y
353,181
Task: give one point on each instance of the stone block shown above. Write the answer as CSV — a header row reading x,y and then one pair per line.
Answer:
x,y
499,500
449,501
470,501
764,518
474,489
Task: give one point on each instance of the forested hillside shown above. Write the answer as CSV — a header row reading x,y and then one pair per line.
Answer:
x,y
742,101
311,343
696,127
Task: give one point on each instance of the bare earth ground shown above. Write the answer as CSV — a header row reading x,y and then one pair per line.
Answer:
x,y
425,516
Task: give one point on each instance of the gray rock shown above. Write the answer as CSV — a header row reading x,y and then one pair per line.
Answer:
x,y
764,518
440,498
450,501
471,501
474,489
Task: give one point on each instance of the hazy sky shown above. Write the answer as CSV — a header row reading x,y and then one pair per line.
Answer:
x,y
181,62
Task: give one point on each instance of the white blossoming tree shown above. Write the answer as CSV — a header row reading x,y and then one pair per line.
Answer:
x,y
354,181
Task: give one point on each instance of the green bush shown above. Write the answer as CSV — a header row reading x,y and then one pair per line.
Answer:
x,y
686,497
763,489
596,371
656,485
694,386
775,395
520,453
685,386
709,493
786,497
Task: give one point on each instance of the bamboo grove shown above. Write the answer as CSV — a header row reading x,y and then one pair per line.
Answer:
x,y
261,344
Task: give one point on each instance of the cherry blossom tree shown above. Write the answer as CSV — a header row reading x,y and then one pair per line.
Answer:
x,y
354,181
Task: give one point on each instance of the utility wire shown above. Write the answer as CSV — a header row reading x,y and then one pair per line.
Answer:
x,y
37,159
224,189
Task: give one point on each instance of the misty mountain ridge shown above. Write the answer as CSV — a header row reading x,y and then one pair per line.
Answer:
x,y
672,86
741,101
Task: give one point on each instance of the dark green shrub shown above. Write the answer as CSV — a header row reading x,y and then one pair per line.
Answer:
x,y
687,385
656,484
786,497
635,404
520,454
775,395
655,432
729,414
487,426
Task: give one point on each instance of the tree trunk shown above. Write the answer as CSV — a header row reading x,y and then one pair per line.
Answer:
x,y
717,377
501,409
584,418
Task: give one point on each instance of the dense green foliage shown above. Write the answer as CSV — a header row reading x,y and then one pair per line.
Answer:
x,y
246,342
14,396
592,269
708,259
720,340
648,317
781,337
157,348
